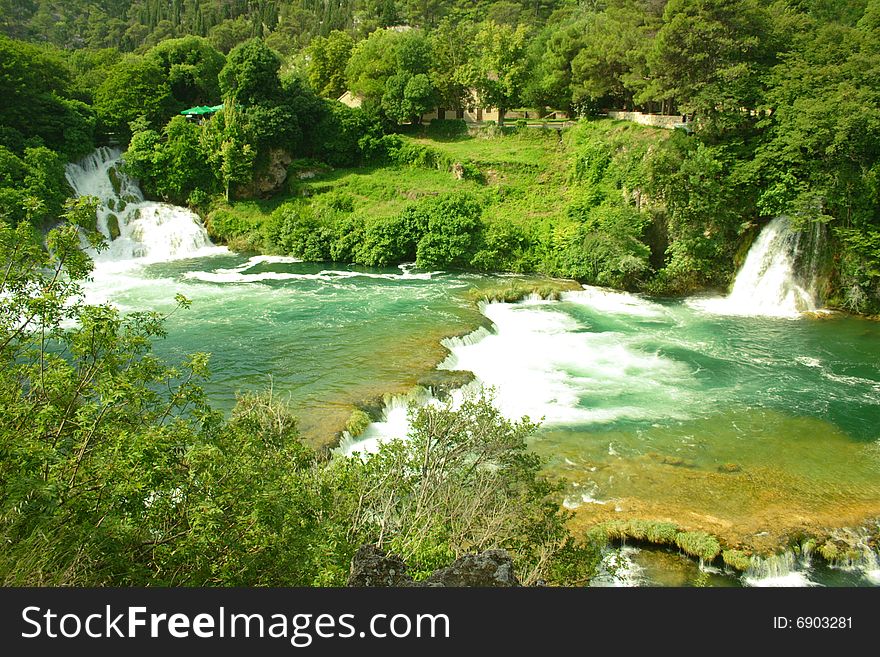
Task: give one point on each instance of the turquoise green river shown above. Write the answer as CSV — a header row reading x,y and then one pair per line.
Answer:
x,y
738,416
752,428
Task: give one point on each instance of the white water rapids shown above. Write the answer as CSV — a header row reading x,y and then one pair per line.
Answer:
x,y
559,362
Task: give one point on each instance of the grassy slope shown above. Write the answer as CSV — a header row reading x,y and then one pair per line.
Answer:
x,y
527,178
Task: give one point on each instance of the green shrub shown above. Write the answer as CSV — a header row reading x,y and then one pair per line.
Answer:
x,y
505,247
337,200
391,240
348,235
198,198
418,155
470,171
607,249
227,225
376,148
453,232
295,230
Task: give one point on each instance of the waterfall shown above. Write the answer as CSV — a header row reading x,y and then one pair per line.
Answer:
x,y
855,550
138,231
779,276
779,570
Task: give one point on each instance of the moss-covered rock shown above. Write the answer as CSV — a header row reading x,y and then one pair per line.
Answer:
x,y
113,174
443,382
357,423
737,559
698,544
113,226
829,551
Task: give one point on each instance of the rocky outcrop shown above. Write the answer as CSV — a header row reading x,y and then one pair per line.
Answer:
x,y
270,179
372,566
492,568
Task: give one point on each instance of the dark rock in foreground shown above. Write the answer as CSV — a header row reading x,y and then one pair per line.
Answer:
x,y
372,566
489,568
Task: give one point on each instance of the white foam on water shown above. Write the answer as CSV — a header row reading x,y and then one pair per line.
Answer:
x,y
853,381
240,275
542,362
780,570
269,259
107,288
575,501
407,270
792,579
394,425
619,569
617,303
708,568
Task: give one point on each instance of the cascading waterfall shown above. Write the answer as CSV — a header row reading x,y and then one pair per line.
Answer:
x,y
768,283
855,550
393,424
780,570
139,231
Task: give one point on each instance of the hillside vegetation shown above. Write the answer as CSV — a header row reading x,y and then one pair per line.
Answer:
x,y
590,203
781,98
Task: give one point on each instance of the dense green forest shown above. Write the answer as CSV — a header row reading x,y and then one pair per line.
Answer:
x,y
104,480
781,96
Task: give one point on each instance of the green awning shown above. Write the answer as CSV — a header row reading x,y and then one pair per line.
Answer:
x,y
201,110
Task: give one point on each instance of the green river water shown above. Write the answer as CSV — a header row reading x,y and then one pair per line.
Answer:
x,y
747,427
736,416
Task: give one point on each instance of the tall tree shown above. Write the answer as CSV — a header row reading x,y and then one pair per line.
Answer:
x,y
709,58
192,66
372,62
499,72
452,46
251,74
135,87
327,58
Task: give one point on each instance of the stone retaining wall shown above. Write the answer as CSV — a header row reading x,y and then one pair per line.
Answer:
x,y
666,121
